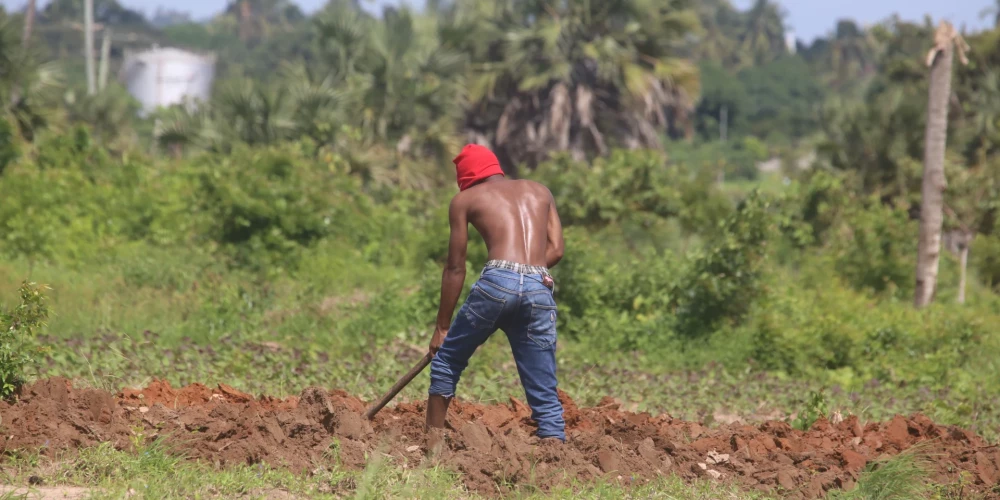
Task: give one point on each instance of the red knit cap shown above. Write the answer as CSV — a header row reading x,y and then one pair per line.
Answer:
x,y
474,164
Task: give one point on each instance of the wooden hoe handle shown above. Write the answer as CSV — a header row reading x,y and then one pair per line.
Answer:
x,y
426,360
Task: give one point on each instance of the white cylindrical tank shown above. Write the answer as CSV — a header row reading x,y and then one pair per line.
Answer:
x,y
162,77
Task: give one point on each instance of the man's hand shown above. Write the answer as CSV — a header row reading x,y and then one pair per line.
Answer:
x,y
437,339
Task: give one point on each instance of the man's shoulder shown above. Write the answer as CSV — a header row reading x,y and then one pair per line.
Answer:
x,y
534,185
458,200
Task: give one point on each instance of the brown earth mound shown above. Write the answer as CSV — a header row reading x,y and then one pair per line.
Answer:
x,y
490,445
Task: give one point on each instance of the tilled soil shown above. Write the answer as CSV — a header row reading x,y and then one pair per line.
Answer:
x,y
491,446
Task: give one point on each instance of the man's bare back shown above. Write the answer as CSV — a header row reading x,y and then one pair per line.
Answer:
x,y
519,222
517,219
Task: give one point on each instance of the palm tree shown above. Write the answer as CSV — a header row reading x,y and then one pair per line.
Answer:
x,y
317,98
851,53
932,195
763,37
875,140
109,113
28,89
390,82
258,19
403,86
718,39
242,111
343,33
177,129
581,75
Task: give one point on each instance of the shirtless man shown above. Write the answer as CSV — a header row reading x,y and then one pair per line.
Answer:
x,y
523,234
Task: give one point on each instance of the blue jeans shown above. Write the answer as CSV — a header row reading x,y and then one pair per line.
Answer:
x,y
521,306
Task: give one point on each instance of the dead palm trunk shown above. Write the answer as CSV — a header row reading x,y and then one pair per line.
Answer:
x,y
29,23
932,193
88,45
246,17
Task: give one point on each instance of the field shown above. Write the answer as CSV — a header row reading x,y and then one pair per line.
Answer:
x,y
816,389
200,302
323,434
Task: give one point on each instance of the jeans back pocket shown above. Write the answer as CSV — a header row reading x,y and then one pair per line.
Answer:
x,y
482,308
542,326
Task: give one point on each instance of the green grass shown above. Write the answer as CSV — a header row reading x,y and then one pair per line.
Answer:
x,y
152,472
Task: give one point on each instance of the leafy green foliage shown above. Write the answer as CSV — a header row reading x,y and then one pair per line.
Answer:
x,y
9,150
878,252
815,408
17,328
986,260
266,201
722,96
736,159
723,280
822,200
785,97
610,298
629,186
593,76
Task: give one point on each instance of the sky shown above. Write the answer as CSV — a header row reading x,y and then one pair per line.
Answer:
x,y
808,19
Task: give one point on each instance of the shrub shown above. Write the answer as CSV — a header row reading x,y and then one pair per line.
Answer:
x,y
722,281
264,206
17,327
627,186
611,298
985,253
9,150
877,250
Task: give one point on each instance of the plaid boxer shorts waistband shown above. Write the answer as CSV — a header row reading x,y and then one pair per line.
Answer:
x,y
517,268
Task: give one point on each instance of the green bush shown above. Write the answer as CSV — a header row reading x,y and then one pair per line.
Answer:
x,y
721,281
877,250
811,324
822,200
268,204
628,186
985,257
17,327
611,298
9,148
737,158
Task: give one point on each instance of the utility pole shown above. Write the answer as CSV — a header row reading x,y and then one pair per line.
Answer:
x,y
723,133
88,44
105,58
724,123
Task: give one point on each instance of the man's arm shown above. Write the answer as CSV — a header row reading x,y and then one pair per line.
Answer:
x,y
554,246
453,277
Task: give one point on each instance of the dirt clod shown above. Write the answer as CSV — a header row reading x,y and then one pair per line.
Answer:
x,y
491,446
852,461
608,461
